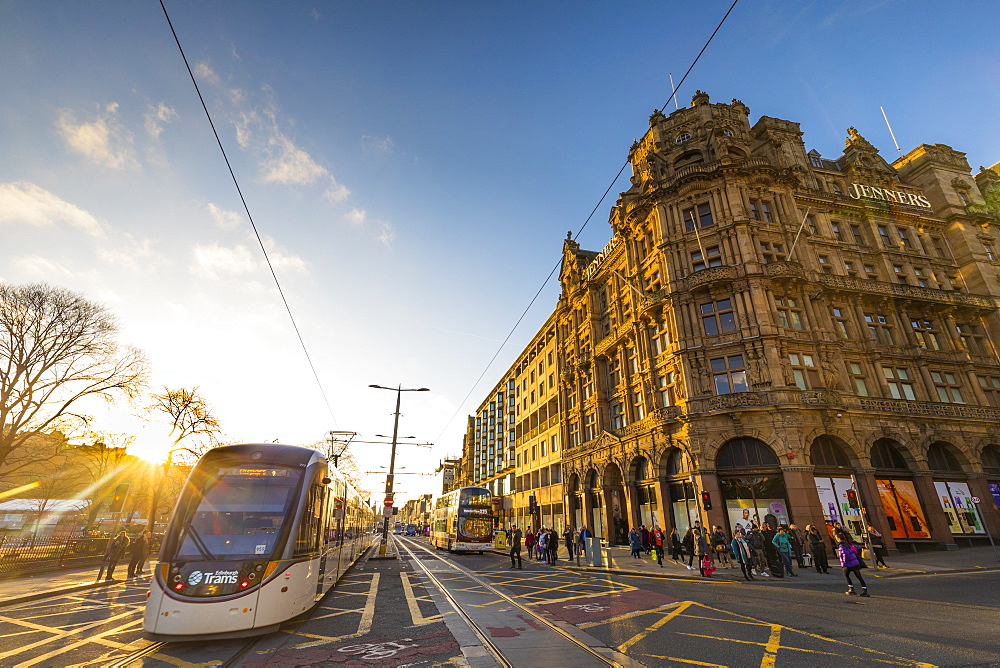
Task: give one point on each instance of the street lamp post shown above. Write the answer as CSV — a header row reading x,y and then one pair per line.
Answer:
x,y
392,459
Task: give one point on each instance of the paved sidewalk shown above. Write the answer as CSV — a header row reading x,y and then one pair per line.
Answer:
x,y
31,587
920,563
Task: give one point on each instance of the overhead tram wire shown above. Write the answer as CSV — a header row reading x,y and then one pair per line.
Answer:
x,y
246,208
611,185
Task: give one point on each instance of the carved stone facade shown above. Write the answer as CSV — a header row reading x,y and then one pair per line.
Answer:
x,y
765,329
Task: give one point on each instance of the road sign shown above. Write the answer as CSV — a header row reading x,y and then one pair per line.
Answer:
x,y
976,499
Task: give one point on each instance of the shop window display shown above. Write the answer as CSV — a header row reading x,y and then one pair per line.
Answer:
x,y
902,509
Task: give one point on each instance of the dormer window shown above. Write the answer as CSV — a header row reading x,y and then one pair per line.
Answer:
x,y
728,133
682,138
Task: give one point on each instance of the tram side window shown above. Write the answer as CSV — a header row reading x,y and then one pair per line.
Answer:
x,y
311,526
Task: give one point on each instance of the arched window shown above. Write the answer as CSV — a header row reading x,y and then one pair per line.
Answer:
x,y
592,481
886,455
745,453
991,459
941,458
689,158
682,138
677,463
642,469
826,451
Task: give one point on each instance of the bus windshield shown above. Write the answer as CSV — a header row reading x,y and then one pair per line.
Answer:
x,y
239,513
475,498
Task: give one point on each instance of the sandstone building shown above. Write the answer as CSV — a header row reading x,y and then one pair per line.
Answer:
x,y
766,329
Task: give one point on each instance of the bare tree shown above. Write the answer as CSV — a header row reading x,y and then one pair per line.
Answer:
x,y
189,413
57,348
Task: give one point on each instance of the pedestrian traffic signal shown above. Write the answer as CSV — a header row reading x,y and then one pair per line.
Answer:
x,y
852,499
533,508
706,500
118,498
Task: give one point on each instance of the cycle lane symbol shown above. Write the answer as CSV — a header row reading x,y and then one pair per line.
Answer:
x,y
377,650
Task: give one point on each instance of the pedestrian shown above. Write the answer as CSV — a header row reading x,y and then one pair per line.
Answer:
x,y
756,542
568,538
878,546
784,547
771,555
742,554
688,543
529,543
635,543
720,545
675,546
553,547
581,541
647,545
817,546
137,551
117,547
658,542
850,562
542,544
702,553
515,548
798,540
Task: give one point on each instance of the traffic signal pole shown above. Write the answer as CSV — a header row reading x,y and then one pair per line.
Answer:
x,y
864,521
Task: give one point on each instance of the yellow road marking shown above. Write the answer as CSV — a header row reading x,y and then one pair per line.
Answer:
x,y
364,626
649,629
58,633
626,615
411,602
80,643
696,663
797,649
771,648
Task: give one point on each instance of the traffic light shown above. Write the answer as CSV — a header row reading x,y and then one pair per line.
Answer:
x,y
706,500
533,506
852,499
118,498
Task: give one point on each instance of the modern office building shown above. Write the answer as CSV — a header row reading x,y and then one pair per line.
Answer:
x,y
766,330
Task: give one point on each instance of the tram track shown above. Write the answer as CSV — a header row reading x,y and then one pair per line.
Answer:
x,y
168,648
476,628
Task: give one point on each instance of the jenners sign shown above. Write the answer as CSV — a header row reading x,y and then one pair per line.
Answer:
x,y
859,190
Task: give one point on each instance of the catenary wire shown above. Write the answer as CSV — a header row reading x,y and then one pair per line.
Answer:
x,y
246,208
578,232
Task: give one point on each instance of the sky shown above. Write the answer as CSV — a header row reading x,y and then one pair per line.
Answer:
x,y
412,169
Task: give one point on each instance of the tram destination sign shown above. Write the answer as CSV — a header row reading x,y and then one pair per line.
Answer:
x,y
255,472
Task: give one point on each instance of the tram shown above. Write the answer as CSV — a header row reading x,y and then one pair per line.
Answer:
x,y
463,520
260,533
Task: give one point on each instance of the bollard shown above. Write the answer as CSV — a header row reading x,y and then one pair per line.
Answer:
x,y
594,552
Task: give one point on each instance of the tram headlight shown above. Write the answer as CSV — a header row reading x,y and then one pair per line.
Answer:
x,y
251,576
244,584
177,578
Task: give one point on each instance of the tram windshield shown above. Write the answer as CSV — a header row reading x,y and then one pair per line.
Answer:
x,y
239,513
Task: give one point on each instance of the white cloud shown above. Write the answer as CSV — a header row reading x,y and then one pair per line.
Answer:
x,y
40,268
132,254
356,217
225,219
156,117
288,164
387,233
212,261
336,192
27,203
205,72
103,140
378,144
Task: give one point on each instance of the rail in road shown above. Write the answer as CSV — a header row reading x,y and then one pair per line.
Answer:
x,y
512,633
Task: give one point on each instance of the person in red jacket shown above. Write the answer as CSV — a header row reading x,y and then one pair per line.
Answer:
x,y
658,541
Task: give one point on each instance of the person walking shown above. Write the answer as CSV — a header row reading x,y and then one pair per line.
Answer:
x,y
702,552
851,563
878,546
784,547
756,542
635,543
553,547
515,549
742,554
644,536
117,547
657,541
529,543
817,546
720,545
581,540
568,539
798,540
542,545
137,551
675,546
688,543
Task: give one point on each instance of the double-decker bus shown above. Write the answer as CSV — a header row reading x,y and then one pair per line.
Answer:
x,y
463,520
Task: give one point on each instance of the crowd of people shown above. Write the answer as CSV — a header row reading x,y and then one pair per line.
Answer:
x,y
758,550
